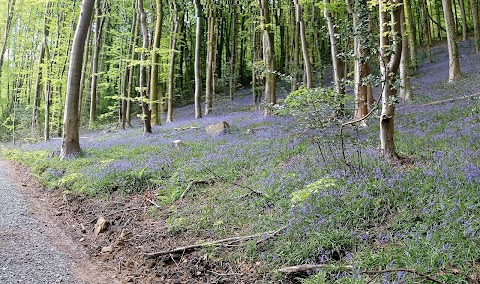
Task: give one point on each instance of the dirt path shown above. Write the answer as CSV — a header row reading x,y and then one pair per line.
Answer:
x,y
34,248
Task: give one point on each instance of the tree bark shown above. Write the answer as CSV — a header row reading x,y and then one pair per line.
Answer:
x,y
454,73
129,70
71,140
411,33
464,19
338,66
8,24
268,57
389,65
198,56
146,115
405,84
99,21
173,52
38,82
306,58
209,80
155,94
476,24
233,56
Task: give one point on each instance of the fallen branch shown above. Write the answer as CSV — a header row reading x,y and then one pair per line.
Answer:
x,y
313,267
309,267
253,191
444,101
208,244
377,272
185,128
193,183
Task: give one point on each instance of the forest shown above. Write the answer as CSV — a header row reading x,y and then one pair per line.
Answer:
x,y
266,141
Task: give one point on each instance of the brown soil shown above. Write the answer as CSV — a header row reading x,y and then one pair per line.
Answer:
x,y
131,233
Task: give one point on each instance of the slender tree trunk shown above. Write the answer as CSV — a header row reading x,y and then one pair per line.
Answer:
x,y
428,29
173,52
209,80
154,86
198,56
406,87
129,70
454,73
233,56
99,21
84,72
389,65
295,50
303,37
8,24
268,57
359,12
464,19
476,24
338,66
146,115
71,141
411,32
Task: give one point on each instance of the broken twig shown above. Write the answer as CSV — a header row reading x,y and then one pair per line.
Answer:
x,y
207,244
193,183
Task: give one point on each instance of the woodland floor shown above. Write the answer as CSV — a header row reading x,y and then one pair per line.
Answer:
x,y
71,219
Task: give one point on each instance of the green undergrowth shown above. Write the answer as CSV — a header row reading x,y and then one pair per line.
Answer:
x,y
374,215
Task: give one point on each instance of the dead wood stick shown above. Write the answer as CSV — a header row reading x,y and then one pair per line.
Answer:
x,y
193,183
403,270
253,191
443,101
116,212
207,244
307,267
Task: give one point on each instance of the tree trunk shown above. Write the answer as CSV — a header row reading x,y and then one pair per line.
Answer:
x,y
411,34
155,95
338,66
129,70
173,52
146,115
233,55
209,80
428,29
268,57
38,82
476,24
198,56
359,12
84,71
464,19
99,20
8,24
71,141
454,73
306,58
405,85
389,65
295,52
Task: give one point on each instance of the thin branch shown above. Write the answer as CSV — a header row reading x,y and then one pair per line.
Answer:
x,y
312,267
444,101
256,192
213,243
193,183
403,270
